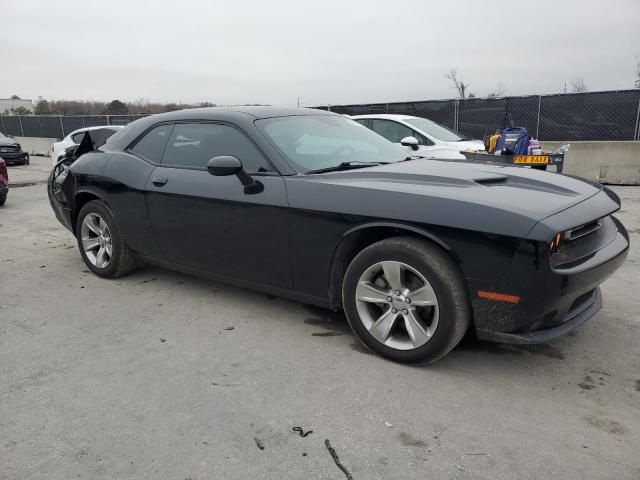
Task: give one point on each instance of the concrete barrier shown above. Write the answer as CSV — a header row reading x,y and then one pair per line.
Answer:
x,y
35,145
616,163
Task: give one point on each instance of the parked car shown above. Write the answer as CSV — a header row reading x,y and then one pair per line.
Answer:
x,y
315,207
420,135
11,151
4,182
74,138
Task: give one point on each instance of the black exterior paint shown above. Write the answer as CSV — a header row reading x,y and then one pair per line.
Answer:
x,y
295,235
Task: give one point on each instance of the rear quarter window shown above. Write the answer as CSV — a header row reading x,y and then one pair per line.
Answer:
x,y
152,145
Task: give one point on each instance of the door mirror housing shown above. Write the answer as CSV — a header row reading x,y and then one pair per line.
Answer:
x,y
410,142
224,165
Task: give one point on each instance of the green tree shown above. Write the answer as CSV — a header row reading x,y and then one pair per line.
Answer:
x,y
116,107
42,107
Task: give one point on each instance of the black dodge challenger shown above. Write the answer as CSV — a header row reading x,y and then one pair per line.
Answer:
x,y
315,207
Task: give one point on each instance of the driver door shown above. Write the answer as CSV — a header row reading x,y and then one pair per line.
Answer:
x,y
210,222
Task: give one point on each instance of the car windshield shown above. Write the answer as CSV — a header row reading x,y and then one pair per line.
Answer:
x,y
324,141
435,130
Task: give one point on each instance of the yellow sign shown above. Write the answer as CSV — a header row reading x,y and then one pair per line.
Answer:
x,y
537,159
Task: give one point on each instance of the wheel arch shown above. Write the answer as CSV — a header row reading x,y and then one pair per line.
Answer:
x,y
357,238
80,200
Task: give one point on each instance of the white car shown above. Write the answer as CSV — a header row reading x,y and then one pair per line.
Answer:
x,y
420,135
74,138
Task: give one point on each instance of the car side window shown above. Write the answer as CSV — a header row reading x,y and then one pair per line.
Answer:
x,y
194,144
152,145
77,138
422,140
392,131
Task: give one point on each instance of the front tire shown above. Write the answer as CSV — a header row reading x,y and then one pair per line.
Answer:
x,y
101,242
406,299
3,199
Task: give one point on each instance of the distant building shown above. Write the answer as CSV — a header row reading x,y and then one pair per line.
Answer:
x,y
9,103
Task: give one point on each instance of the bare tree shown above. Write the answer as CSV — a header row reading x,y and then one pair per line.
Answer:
x,y
637,82
458,84
578,85
499,91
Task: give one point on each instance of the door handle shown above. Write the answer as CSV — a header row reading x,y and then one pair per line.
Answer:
x,y
160,181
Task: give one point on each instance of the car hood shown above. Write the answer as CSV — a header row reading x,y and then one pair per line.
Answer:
x,y
7,142
488,198
465,145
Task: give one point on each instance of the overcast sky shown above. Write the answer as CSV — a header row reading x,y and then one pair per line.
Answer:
x,y
328,51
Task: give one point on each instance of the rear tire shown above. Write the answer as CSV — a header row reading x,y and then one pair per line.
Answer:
x,y
3,199
101,242
428,317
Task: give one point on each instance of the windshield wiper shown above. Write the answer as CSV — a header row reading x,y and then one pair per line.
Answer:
x,y
346,166
413,157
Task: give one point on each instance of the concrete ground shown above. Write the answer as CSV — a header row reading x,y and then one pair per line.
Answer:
x,y
158,375
36,172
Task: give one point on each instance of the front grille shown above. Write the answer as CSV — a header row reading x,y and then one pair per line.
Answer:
x,y
9,149
582,242
583,230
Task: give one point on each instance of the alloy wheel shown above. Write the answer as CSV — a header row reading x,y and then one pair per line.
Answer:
x,y
96,240
397,305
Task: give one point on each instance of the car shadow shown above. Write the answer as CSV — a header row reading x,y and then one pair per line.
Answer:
x,y
471,351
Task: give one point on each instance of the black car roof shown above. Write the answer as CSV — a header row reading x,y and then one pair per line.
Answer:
x,y
257,111
239,114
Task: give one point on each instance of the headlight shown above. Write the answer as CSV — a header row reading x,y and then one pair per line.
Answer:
x,y
555,243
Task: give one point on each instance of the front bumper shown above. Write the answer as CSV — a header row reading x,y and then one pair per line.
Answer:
x,y
552,302
19,157
592,305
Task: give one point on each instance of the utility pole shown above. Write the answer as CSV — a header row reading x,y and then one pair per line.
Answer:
x,y
298,102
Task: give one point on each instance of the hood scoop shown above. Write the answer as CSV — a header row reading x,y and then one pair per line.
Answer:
x,y
492,181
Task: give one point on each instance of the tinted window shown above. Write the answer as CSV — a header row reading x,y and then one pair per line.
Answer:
x,y
311,142
151,146
392,131
437,131
77,138
194,144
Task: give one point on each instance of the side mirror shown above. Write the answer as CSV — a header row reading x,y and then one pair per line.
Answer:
x,y
410,142
226,165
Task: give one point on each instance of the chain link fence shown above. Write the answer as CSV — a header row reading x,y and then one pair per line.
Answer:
x,y
57,126
613,115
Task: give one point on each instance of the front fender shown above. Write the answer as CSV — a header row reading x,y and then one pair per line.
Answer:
x,y
400,227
